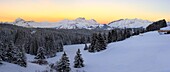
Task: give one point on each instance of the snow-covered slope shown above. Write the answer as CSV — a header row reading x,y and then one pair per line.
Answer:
x,y
168,23
130,23
148,52
166,28
64,24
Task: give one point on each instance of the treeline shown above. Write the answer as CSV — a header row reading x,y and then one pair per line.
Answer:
x,y
52,40
99,40
15,41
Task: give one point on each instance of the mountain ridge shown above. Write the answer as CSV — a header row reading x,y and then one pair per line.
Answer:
x,y
82,23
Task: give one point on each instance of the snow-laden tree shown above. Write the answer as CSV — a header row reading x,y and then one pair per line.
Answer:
x,y
21,60
101,43
63,65
92,47
21,57
1,51
10,52
40,57
40,54
98,43
78,60
60,46
85,47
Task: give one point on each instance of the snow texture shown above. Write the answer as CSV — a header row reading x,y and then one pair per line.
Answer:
x,y
148,52
82,23
64,24
130,23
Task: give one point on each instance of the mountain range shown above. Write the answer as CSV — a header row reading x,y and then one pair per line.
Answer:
x,y
82,23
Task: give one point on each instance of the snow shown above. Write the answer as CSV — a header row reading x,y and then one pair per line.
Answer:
x,y
166,28
8,67
64,24
148,52
82,23
168,23
130,23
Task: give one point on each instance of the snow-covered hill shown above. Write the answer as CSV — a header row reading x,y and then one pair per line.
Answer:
x,y
148,52
78,23
130,23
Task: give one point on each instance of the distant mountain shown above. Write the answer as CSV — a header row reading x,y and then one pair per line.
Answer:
x,y
130,23
78,23
82,23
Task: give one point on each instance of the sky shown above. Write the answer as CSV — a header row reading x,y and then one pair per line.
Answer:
x,y
103,11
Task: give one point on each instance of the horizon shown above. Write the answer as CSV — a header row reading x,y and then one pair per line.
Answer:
x,y
85,19
103,11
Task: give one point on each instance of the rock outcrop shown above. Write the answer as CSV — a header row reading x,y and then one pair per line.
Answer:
x,y
156,25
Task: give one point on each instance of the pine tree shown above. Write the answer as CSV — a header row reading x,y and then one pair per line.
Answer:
x,y
85,47
98,43
1,51
60,47
78,63
101,44
40,56
9,52
40,53
92,47
21,60
0,60
20,57
109,37
63,64
105,37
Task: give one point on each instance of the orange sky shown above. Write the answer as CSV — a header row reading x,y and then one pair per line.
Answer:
x,y
103,11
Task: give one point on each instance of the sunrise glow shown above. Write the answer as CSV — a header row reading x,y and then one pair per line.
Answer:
x,y
103,11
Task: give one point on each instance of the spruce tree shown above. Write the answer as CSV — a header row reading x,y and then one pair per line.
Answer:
x,y
105,37
0,60
109,37
21,57
85,47
1,51
40,53
92,47
9,53
21,60
101,44
78,63
63,64
40,56
60,46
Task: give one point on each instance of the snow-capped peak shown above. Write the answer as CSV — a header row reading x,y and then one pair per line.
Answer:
x,y
19,20
81,23
130,23
78,23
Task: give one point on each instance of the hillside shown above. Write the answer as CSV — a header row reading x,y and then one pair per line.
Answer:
x,y
148,52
